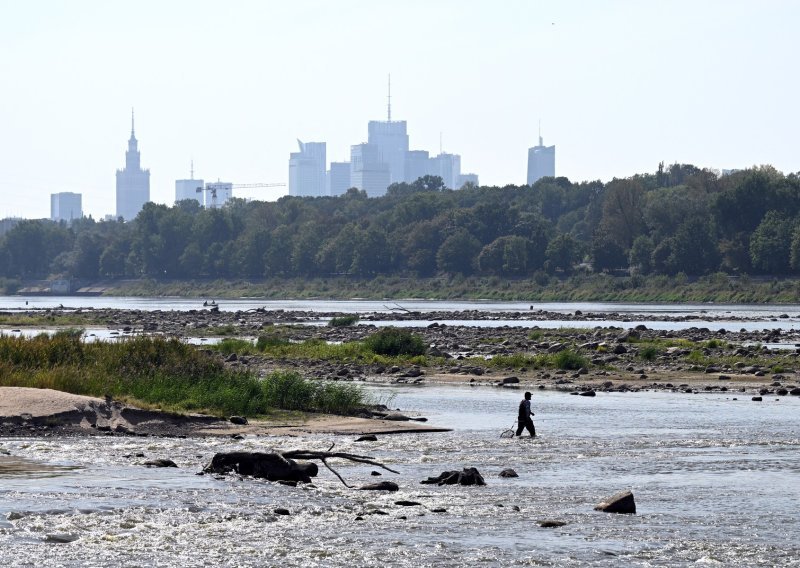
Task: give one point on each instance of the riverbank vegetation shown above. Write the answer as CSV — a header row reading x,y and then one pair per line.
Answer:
x,y
647,237
163,373
580,286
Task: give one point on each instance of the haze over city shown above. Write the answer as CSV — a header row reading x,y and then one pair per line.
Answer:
x,y
618,87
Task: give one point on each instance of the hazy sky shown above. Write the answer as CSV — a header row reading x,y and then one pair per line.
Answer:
x,y
618,86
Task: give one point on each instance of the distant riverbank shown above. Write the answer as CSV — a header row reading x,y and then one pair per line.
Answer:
x,y
718,288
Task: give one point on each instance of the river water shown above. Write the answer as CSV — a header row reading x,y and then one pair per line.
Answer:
x,y
715,481
732,317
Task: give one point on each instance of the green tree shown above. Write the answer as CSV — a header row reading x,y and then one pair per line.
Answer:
x,y
458,252
771,242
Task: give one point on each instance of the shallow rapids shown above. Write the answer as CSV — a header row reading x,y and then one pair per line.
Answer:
x,y
715,482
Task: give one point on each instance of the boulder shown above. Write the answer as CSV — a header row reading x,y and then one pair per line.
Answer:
x,y
469,476
621,502
160,463
551,524
367,438
381,486
588,393
270,466
238,420
508,472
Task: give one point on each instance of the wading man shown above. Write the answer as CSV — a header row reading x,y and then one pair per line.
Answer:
x,y
524,419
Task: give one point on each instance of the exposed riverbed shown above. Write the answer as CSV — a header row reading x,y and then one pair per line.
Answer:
x,y
714,480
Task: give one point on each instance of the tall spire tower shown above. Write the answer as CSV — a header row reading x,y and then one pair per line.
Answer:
x,y
133,183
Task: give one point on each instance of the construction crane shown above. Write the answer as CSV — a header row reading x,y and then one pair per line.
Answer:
x,y
213,186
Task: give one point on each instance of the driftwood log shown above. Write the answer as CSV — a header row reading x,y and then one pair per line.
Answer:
x,y
281,466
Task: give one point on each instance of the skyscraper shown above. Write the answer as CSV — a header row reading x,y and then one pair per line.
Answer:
x,y
367,171
133,183
541,162
391,139
417,165
339,178
448,167
65,206
307,170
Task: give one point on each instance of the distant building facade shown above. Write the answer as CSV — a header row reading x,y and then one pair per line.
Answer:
x,y
189,189
368,171
217,194
541,162
464,179
133,183
418,164
448,167
65,206
338,178
391,139
307,175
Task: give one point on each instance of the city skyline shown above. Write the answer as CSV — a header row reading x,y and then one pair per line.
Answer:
x,y
619,87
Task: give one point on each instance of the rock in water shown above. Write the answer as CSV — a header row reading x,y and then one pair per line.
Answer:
x,y
238,420
273,467
508,472
160,463
367,438
551,524
621,502
382,486
469,476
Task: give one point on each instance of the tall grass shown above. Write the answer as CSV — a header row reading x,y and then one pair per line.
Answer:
x,y
164,373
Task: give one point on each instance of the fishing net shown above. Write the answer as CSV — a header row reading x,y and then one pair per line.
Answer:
x,y
508,433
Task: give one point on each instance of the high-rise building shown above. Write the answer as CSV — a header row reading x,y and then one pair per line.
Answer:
x,y
217,194
65,206
417,165
133,183
189,188
368,171
339,178
307,170
541,162
391,139
448,167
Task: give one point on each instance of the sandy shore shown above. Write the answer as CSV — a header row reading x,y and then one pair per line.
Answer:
x,y
39,412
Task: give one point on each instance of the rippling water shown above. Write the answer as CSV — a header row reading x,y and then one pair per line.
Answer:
x,y
715,481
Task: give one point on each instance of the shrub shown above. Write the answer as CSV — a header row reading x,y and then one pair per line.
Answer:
x,y
343,321
569,360
395,341
649,352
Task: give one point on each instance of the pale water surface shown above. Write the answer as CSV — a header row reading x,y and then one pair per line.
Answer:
x,y
715,481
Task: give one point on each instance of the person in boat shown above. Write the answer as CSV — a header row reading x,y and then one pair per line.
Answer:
x,y
524,419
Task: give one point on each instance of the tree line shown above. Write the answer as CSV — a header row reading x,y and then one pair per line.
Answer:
x,y
680,219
